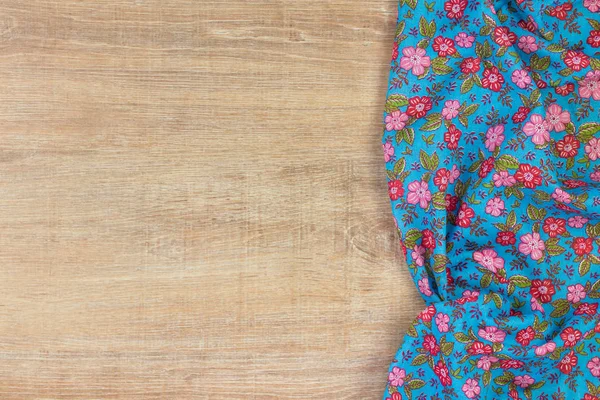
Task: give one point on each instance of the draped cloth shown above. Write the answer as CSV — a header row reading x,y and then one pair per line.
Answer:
x,y
492,149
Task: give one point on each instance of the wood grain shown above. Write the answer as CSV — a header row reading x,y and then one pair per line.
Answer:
x,y
193,200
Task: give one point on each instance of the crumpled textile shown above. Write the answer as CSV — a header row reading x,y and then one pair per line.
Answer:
x,y
492,150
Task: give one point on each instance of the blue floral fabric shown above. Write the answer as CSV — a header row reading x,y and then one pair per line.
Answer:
x,y
492,149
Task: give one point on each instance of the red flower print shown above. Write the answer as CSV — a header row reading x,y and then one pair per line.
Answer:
x,y
395,189
572,183
428,239
594,39
554,226
395,396
582,246
395,51
464,216
430,344
506,238
470,65
511,364
529,176
513,394
441,370
566,208
492,79
480,348
525,336
576,60
427,314
418,106
565,89
521,114
513,313
451,137
560,11
486,167
451,202
568,146
567,363
570,336
529,25
441,178
587,309
455,9
542,290
443,46
588,396
504,37
449,278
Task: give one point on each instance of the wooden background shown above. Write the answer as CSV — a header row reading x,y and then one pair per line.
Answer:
x,y
193,200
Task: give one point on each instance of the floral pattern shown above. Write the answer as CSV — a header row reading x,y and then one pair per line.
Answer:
x,y
492,149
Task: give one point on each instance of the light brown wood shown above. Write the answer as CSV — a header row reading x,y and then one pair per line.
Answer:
x,y
193,200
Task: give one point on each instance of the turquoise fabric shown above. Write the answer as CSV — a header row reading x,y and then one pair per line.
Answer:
x,y
492,149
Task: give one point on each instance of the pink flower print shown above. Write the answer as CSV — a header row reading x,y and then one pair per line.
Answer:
x,y
592,5
450,109
417,255
592,149
441,320
396,376
492,334
464,40
594,366
535,305
415,59
418,192
576,293
489,259
470,295
494,137
471,388
523,381
577,221
388,151
454,174
537,129
395,121
521,78
495,206
485,362
503,178
532,245
561,195
557,118
595,176
545,349
527,44
424,287
590,85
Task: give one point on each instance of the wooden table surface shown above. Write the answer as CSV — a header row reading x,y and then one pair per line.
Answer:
x,y
194,202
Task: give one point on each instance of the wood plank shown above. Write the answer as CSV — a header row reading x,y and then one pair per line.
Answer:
x,y
194,202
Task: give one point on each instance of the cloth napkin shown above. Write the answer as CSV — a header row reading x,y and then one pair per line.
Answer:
x,y
492,149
